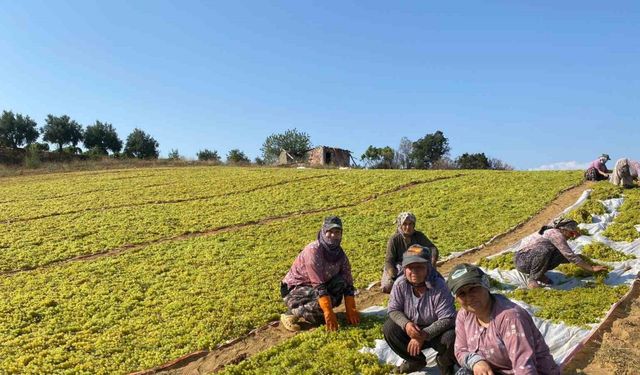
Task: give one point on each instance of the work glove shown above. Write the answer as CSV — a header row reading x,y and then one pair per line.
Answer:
x,y
353,317
331,323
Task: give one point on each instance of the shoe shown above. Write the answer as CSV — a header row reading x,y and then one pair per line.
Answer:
x,y
289,322
411,366
545,280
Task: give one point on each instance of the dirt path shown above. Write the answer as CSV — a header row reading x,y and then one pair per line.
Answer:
x,y
614,348
205,362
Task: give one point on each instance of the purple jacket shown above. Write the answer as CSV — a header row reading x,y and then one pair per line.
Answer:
x,y
599,165
435,304
511,344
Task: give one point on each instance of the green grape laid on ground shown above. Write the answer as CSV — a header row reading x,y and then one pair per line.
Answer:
x,y
164,299
579,306
503,261
602,252
624,226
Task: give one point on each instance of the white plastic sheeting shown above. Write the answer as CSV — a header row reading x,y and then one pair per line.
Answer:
x,y
562,339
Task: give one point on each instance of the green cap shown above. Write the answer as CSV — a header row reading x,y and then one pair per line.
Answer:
x,y
466,274
331,222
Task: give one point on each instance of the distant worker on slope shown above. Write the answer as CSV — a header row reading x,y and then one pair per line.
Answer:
x,y
493,334
623,174
318,279
405,236
597,170
635,169
547,249
421,314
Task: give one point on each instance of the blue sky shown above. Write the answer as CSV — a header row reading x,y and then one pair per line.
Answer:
x,y
530,82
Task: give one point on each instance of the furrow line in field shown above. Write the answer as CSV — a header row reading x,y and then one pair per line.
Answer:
x,y
159,202
225,228
75,193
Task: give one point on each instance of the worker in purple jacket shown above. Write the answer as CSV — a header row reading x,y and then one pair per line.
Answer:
x,y
421,314
493,334
597,170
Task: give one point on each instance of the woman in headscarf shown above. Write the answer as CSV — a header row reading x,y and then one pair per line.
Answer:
x,y
318,279
597,170
493,334
421,314
547,249
622,174
405,236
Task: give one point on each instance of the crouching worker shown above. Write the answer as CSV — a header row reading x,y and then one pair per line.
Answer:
x,y
421,314
597,170
547,249
405,236
318,279
622,174
493,334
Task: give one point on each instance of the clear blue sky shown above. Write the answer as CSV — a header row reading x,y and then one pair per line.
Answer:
x,y
530,82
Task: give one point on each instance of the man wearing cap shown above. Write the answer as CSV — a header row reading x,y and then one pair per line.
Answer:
x,y
405,236
597,170
421,314
493,334
318,279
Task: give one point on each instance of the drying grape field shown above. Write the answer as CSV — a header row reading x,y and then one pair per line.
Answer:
x,y
119,271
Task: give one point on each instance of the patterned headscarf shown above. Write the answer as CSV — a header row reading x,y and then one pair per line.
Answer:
x,y
560,223
404,216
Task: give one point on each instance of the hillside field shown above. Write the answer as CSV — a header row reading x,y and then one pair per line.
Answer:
x,y
118,271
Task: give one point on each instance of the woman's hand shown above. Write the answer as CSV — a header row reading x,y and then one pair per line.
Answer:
x,y
598,268
414,331
482,368
415,347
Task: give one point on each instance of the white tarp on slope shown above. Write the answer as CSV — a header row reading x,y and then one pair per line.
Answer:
x,y
562,339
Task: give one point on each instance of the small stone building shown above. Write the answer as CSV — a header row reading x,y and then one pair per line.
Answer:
x,y
323,155
285,158
318,156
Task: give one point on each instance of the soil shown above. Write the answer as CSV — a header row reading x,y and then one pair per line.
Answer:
x,y
265,337
614,348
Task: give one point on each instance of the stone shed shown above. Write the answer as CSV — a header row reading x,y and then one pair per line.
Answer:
x,y
323,155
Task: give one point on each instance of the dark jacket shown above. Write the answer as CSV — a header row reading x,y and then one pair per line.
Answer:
x,y
397,245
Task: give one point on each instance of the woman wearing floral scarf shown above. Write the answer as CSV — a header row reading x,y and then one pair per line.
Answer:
x,y
405,236
318,279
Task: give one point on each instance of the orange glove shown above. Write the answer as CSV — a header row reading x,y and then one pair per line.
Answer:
x,y
353,317
329,316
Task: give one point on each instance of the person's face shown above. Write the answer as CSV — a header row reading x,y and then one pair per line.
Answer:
x,y
416,273
408,227
474,298
333,234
